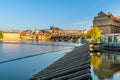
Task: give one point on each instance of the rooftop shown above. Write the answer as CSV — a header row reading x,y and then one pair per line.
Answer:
x,y
110,15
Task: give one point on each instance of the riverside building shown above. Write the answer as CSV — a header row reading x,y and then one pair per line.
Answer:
x,y
107,23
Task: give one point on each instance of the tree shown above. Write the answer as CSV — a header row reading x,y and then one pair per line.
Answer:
x,y
1,35
94,33
95,61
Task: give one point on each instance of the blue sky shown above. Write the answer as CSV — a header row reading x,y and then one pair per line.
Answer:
x,y
40,14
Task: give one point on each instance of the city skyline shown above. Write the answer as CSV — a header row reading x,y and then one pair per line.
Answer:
x,y
41,14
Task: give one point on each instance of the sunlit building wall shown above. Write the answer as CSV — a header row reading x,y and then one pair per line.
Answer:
x,y
11,36
107,23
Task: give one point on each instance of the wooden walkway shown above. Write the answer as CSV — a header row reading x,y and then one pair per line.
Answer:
x,y
75,65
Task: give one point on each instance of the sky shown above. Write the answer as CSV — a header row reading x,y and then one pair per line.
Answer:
x,y
41,14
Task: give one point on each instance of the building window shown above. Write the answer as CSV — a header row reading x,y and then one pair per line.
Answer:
x,y
109,38
115,39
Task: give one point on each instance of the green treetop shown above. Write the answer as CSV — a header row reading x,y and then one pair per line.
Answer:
x,y
94,33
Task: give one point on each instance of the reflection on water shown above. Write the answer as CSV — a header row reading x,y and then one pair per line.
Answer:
x,y
105,65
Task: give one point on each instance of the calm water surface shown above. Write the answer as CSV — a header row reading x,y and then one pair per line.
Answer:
x,y
24,68
105,65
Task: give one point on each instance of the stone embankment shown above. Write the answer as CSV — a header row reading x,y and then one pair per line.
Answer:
x,y
75,65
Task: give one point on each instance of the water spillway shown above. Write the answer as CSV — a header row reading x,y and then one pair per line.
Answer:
x,y
75,65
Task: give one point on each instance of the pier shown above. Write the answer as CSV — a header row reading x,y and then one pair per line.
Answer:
x,y
111,46
94,46
75,65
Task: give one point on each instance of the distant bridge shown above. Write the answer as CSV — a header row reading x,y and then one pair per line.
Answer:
x,y
69,38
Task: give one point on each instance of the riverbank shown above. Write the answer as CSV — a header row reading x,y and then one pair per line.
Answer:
x,y
75,65
111,46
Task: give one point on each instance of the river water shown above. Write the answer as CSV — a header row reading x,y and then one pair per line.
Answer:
x,y
105,65
21,60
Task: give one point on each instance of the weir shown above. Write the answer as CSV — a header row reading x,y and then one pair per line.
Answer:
x,y
31,56
75,65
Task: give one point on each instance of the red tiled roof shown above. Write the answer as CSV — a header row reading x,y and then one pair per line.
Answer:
x,y
115,18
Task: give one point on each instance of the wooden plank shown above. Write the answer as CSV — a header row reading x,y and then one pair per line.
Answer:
x,y
68,76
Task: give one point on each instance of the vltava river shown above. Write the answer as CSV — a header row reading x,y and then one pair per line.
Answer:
x,y
19,61
105,65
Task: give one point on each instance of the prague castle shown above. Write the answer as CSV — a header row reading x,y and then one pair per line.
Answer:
x,y
107,23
